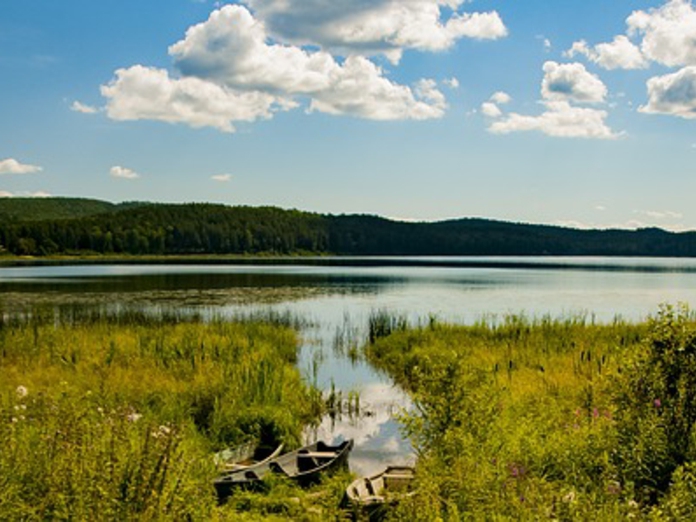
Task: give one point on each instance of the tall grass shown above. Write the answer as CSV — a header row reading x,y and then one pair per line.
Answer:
x,y
116,417
537,419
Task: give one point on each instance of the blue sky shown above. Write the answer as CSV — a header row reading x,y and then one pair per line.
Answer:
x,y
578,113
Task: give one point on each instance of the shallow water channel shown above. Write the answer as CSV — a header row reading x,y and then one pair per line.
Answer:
x,y
334,297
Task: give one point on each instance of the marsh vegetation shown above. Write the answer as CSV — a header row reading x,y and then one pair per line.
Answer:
x,y
118,416
548,419
118,412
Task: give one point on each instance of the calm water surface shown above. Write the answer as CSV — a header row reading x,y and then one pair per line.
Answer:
x,y
337,296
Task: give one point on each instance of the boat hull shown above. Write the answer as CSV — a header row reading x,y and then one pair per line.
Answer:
x,y
305,466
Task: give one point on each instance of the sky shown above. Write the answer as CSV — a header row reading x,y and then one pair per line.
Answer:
x,y
577,113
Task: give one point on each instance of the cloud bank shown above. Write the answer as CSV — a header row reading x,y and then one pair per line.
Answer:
x,y
247,62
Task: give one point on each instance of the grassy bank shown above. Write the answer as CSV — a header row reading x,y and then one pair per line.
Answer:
x,y
118,418
544,419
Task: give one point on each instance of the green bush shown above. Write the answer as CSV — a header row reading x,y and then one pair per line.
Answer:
x,y
655,398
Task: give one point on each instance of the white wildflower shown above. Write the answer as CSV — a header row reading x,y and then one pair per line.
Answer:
x,y
133,417
22,391
569,498
162,431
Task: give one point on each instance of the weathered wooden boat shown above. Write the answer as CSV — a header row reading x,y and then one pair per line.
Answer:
x,y
371,497
304,466
246,455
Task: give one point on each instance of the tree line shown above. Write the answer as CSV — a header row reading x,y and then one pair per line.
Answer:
x,y
201,228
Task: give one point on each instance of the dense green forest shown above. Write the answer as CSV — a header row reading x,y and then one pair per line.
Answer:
x,y
62,226
38,209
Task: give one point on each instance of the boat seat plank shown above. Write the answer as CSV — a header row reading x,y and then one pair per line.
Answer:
x,y
318,454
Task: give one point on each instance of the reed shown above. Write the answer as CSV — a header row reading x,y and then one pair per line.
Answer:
x,y
116,416
530,419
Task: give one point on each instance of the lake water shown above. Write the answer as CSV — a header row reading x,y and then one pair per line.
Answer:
x,y
337,295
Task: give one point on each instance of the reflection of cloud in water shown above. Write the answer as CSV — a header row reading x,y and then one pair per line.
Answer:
x,y
378,441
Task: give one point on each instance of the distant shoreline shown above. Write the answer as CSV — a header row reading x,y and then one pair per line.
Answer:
x,y
584,263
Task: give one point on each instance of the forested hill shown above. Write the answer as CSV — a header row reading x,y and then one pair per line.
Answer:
x,y
36,209
55,226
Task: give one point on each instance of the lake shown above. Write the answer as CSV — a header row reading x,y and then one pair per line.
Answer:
x,y
336,296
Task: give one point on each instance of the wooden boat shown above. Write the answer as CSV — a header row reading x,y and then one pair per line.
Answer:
x,y
249,454
304,466
371,496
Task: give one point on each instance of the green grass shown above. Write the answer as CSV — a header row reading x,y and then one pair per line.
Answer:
x,y
117,418
548,419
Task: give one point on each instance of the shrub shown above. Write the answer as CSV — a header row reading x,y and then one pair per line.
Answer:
x,y
655,398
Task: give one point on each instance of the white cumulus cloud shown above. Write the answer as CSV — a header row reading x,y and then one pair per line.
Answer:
x,y
491,110
673,94
231,48
145,93
231,70
665,35
561,85
84,109
560,119
500,98
123,173
621,53
452,83
668,33
491,107
571,82
377,26
223,178
12,166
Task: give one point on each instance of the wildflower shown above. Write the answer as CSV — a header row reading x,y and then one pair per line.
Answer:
x,y
22,391
569,498
516,471
133,417
657,403
162,431
595,413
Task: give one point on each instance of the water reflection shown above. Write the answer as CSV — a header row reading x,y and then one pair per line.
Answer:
x,y
378,442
